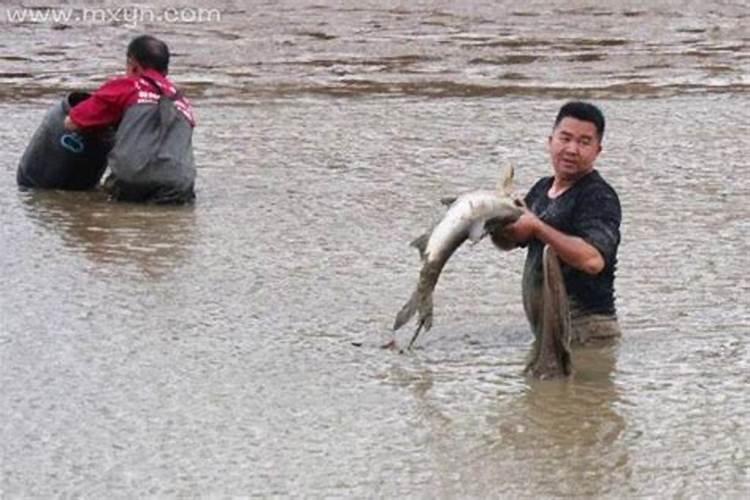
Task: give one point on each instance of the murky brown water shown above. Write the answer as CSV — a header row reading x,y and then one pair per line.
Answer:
x,y
207,351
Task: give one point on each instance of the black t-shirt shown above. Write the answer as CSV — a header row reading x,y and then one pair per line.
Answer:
x,y
590,210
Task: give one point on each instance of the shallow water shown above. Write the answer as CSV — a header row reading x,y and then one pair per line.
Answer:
x,y
208,350
604,48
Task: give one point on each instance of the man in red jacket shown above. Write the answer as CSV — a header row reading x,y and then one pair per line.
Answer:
x,y
152,159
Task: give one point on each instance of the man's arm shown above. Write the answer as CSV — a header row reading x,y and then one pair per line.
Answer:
x,y
104,108
574,251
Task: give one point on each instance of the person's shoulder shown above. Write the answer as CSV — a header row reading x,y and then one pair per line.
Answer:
x,y
595,183
120,80
598,195
160,83
181,102
543,183
540,187
118,85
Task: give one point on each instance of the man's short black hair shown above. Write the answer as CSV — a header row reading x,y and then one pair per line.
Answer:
x,y
150,53
583,111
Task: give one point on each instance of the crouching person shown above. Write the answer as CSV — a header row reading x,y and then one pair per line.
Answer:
x,y
152,158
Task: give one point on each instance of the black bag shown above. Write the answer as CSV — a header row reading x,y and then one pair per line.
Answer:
x,y
152,159
59,159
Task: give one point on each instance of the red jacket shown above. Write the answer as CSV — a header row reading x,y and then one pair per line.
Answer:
x,y
106,106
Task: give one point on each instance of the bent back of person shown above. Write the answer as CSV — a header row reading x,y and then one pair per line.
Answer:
x,y
152,158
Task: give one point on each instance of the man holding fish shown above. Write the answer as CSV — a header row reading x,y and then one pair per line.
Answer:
x,y
577,213
570,223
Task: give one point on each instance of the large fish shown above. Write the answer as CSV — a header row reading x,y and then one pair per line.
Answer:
x,y
467,217
546,304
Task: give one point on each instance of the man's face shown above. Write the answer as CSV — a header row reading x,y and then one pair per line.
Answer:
x,y
573,147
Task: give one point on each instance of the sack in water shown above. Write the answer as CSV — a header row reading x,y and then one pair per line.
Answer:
x,y
56,158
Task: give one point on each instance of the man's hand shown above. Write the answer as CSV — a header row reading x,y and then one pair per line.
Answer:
x,y
573,250
524,229
507,236
70,125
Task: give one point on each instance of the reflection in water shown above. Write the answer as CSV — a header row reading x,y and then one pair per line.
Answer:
x,y
154,239
570,429
553,437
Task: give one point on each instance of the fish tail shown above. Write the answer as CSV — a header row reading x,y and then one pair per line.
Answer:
x,y
419,301
425,311
425,316
407,311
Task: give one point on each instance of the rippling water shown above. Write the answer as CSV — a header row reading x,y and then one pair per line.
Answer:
x,y
208,350
427,48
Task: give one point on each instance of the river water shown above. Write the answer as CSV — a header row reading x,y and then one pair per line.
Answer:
x,y
208,351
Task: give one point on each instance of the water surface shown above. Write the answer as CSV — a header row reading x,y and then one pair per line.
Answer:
x,y
208,350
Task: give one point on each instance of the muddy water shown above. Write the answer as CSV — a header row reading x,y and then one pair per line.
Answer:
x,y
208,350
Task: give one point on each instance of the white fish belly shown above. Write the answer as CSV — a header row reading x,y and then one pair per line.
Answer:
x,y
470,209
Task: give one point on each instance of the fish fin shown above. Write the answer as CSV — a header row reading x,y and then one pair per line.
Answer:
x,y
407,311
448,200
416,334
425,317
420,244
477,231
505,183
